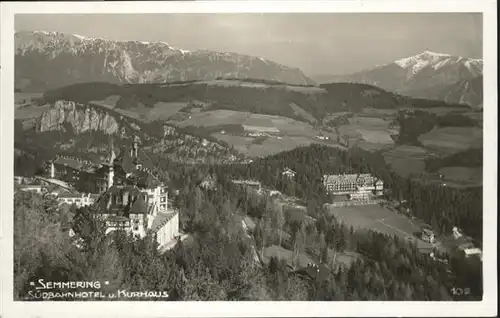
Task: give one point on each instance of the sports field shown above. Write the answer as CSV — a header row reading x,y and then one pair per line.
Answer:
x,y
380,219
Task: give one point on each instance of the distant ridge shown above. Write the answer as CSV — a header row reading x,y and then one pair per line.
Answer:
x,y
419,75
46,60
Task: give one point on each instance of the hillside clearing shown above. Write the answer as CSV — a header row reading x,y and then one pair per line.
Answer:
x,y
462,176
452,139
380,219
406,160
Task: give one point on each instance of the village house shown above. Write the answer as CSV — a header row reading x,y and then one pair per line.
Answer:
x,y
288,173
314,272
428,235
322,137
209,182
23,180
37,188
470,250
78,199
249,184
456,233
355,186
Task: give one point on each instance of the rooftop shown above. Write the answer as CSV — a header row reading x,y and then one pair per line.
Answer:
x,y
349,178
137,206
249,182
75,195
139,169
30,186
117,218
320,272
76,163
161,219
55,182
472,251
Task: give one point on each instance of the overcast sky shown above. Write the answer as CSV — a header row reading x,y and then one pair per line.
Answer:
x,y
318,43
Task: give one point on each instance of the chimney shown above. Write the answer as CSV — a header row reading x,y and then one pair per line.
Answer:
x,y
52,170
125,198
135,149
108,206
111,176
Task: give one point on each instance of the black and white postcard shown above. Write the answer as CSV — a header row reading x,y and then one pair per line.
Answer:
x,y
218,158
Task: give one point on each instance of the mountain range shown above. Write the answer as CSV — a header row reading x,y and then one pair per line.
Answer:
x,y
47,60
428,75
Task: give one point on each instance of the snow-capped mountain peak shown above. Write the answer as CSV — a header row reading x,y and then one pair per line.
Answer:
x,y
436,61
420,61
424,75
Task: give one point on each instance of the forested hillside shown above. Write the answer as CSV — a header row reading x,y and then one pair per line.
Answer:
x,y
255,96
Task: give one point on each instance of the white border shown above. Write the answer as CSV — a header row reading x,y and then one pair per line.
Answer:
x,y
488,307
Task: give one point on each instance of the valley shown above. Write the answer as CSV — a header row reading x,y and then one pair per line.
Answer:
x,y
213,175
258,118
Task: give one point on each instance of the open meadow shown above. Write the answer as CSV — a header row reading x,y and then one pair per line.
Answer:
x,y
406,160
462,176
109,102
374,131
25,99
380,219
444,110
452,139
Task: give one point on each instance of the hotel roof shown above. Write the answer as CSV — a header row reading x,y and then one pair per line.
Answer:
x,y
162,219
139,206
140,169
72,195
349,178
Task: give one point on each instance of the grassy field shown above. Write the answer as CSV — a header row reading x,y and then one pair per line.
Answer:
x,y
477,116
240,83
285,254
302,113
444,110
452,139
373,130
377,218
372,146
30,112
406,160
109,102
285,125
159,111
270,145
23,99
379,112
292,133
462,176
